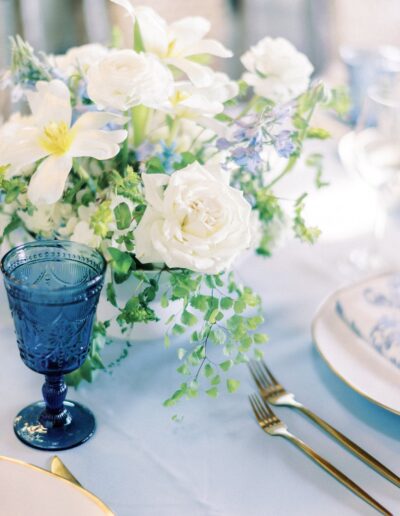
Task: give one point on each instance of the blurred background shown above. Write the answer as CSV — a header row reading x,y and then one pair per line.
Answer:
x,y
317,27
331,32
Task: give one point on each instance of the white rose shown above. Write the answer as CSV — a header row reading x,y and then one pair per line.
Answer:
x,y
79,58
194,220
125,79
276,69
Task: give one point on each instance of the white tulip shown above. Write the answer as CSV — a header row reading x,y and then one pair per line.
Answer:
x,y
125,79
188,101
194,220
276,70
178,42
83,232
48,136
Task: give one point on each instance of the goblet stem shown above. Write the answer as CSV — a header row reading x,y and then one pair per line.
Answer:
x,y
54,392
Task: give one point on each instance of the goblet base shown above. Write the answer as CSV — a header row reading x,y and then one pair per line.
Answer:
x,y
30,431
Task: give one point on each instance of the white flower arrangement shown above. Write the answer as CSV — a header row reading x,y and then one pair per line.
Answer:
x,y
167,167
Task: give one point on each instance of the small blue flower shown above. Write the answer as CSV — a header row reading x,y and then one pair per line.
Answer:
x,y
223,144
168,156
283,144
144,151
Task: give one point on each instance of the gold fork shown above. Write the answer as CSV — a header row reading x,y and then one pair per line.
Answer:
x,y
273,392
272,425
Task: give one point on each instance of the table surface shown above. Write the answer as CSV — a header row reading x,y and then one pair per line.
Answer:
x,y
216,461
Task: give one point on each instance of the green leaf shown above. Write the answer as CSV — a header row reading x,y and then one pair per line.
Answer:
x,y
216,380
239,306
123,216
111,296
245,343
167,341
184,369
121,262
188,318
212,392
226,365
226,303
164,301
318,133
208,370
258,354
188,158
177,329
232,385
138,44
260,338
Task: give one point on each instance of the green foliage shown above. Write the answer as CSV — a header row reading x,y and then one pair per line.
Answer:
x,y
101,219
315,161
230,321
138,44
121,263
26,66
304,233
123,217
11,188
339,101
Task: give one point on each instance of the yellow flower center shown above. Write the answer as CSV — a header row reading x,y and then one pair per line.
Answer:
x,y
57,138
178,96
171,48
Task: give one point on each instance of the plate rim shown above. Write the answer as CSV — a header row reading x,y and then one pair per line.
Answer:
x,y
105,509
317,316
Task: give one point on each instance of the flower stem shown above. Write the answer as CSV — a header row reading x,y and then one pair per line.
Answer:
x,y
139,118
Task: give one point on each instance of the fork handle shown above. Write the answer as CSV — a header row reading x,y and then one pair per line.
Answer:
x,y
350,445
341,477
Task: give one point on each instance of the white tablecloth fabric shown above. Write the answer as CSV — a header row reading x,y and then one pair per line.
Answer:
x,y
217,462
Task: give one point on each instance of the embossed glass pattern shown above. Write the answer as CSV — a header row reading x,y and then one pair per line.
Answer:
x,y
53,288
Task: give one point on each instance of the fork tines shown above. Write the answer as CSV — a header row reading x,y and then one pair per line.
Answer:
x,y
260,408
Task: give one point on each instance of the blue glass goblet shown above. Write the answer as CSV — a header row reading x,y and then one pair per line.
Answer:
x,y
53,288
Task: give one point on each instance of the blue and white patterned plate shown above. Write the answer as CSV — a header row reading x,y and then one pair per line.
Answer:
x,y
357,331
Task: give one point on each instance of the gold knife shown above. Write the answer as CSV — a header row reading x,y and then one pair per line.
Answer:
x,y
59,468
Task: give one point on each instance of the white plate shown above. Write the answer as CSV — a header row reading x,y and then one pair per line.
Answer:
x,y
29,490
346,333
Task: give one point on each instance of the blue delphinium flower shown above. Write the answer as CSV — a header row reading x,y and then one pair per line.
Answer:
x,y
168,156
144,151
283,144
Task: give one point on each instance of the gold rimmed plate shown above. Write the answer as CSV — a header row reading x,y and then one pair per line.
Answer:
x,y
27,489
355,330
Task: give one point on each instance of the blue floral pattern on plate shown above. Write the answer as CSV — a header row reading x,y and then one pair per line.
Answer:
x,y
372,313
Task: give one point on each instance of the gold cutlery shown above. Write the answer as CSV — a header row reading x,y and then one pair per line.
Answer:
x,y
59,468
275,394
272,425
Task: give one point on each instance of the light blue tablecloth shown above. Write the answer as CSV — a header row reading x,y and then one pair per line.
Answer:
x,y
217,462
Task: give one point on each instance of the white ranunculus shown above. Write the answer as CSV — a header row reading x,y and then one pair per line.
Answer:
x,y
83,232
178,42
48,136
46,218
194,220
79,58
276,70
125,79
